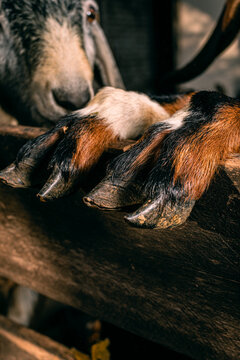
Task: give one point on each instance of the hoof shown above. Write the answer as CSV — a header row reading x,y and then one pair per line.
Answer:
x,y
111,195
152,216
17,177
56,186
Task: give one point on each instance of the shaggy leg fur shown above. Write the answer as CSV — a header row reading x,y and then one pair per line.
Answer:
x,y
166,171
78,151
78,140
73,146
177,165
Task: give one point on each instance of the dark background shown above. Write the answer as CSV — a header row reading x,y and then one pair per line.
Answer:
x,y
142,36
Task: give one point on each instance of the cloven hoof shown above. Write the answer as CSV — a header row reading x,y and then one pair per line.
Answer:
x,y
153,216
111,195
17,176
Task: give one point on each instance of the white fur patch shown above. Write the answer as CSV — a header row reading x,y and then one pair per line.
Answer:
x,y
127,113
177,120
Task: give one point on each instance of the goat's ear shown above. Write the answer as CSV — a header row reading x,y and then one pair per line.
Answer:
x,y
104,59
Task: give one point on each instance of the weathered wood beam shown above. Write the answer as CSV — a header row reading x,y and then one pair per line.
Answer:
x,y
178,287
18,342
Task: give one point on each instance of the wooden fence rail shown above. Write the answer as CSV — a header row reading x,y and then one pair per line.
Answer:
x,y
178,287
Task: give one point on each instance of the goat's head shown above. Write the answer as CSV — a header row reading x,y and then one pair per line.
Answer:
x,y
48,49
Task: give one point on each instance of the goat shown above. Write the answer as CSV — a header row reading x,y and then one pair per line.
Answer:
x,y
185,138
48,51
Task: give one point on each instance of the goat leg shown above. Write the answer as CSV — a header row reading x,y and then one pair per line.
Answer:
x,y
123,186
78,151
174,161
19,174
111,115
189,159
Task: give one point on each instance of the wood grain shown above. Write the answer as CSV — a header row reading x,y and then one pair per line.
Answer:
x,y
179,287
17,342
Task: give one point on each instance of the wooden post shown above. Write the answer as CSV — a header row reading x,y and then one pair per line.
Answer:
x,y
177,287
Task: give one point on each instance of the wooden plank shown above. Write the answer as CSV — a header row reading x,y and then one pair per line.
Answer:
x,y
177,287
18,342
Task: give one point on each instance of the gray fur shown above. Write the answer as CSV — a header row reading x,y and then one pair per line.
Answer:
x,y
22,27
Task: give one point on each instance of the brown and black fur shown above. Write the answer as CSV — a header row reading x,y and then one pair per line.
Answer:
x,y
185,138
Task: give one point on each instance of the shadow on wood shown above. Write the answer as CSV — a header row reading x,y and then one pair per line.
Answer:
x,y
177,287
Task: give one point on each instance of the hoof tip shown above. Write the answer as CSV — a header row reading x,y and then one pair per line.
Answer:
x,y
90,202
11,177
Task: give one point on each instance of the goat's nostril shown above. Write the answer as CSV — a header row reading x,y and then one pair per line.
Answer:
x,y
62,100
71,100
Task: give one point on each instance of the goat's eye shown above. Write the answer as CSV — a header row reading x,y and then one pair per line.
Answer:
x,y
91,14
